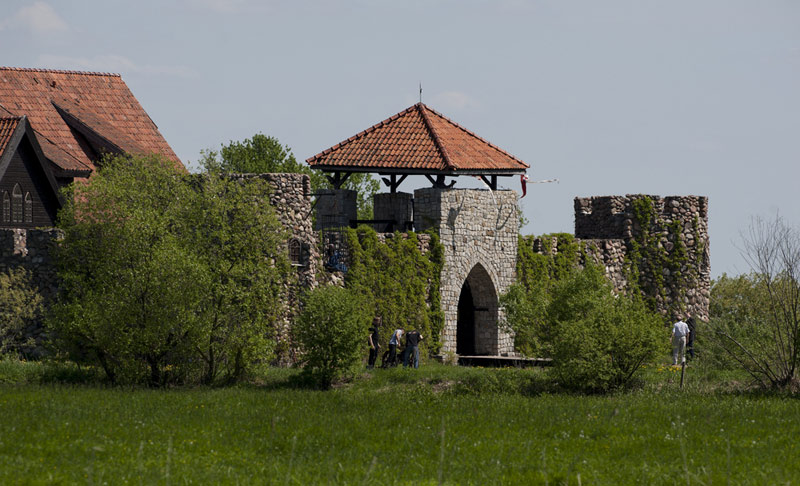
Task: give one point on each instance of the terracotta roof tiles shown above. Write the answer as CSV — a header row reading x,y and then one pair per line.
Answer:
x,y
7,127
417,139
101,101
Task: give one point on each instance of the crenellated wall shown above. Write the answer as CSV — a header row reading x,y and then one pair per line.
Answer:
x,y
665,237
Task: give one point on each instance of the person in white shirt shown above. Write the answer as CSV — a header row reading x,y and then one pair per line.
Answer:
x,y
680,331
393,342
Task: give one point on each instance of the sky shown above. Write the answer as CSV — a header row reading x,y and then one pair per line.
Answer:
x,y
664,97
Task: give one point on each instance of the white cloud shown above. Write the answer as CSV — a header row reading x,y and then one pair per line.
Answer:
x,y
456,100
112,63
39,18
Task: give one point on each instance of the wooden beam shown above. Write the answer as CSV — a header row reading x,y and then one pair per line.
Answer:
x,y
491,181
337,179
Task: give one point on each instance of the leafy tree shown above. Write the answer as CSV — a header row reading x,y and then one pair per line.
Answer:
x,y
599,340
166,277
264,154
332,331
239,243
755,318
20,305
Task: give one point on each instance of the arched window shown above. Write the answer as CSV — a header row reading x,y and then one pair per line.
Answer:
x,y
16,204
295,252
28,208
6,207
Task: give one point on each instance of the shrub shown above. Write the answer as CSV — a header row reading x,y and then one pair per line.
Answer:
x,y
168,278
600,340
756,317
20,305
332,331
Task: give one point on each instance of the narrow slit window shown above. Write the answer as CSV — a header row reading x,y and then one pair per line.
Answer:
x,y
28,208
295,252
16,204
6,207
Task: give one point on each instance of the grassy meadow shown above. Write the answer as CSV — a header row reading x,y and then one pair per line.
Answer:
x,y
437,425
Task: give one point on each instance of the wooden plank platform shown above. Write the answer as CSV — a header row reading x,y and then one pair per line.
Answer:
x,y
500,361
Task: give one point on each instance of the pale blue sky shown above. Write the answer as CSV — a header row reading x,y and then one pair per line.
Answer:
x,y
614,97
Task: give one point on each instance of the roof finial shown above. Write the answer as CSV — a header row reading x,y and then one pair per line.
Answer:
x,y
420,91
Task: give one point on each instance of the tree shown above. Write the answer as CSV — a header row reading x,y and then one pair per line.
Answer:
x,y
240,246
332,332
165,277
598,340
263,154
20,305
755,318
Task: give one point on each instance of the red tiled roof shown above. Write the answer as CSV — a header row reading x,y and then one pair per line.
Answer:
x,y
7,127
417,139
100,101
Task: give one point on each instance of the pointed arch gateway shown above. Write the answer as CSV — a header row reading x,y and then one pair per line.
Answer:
x,y
478,315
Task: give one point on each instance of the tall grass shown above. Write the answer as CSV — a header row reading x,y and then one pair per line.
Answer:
x,y
436,425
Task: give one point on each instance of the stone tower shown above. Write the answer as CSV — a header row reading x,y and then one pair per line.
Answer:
x,y
478,229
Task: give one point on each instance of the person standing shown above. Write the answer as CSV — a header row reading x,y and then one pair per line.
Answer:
x,y
374,342
412,347
690,342
680,331
393,342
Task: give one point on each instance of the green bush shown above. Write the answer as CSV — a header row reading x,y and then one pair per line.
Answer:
x,y
20,305
332,331
168,278
599,340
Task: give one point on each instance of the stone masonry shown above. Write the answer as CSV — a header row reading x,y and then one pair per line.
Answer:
x,y
478,229
608,228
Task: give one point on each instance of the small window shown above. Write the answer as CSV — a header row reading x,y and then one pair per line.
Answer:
x,y
28,208
295,252
6,207
16,204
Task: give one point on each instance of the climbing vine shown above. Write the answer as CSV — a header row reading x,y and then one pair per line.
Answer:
x,y
657,262
553,263
400,282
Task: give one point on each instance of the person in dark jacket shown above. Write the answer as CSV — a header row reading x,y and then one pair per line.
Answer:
x,y
690,342
412,347
374,342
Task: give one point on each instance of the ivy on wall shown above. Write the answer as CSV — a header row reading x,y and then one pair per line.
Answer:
x,y
400,282
554,263
658,259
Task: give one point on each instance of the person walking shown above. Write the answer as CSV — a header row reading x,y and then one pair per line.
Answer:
x,y
374,342
393,343
680,331
412,347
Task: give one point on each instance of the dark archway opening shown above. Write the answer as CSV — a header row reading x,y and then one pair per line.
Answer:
x,y
465,331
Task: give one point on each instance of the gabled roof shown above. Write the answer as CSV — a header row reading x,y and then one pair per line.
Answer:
x,y
7,127
417,140
12,131
73,112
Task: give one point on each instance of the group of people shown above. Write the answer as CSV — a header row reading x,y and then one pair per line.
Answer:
x,y
683,334
411,351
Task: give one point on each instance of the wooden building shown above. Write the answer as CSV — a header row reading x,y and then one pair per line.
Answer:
x,y
55,127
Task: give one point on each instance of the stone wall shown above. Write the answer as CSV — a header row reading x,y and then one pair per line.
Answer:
x,y
291,198
478,229
31,249
610,228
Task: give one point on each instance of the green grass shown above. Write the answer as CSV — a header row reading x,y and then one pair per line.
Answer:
x,y
435,425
